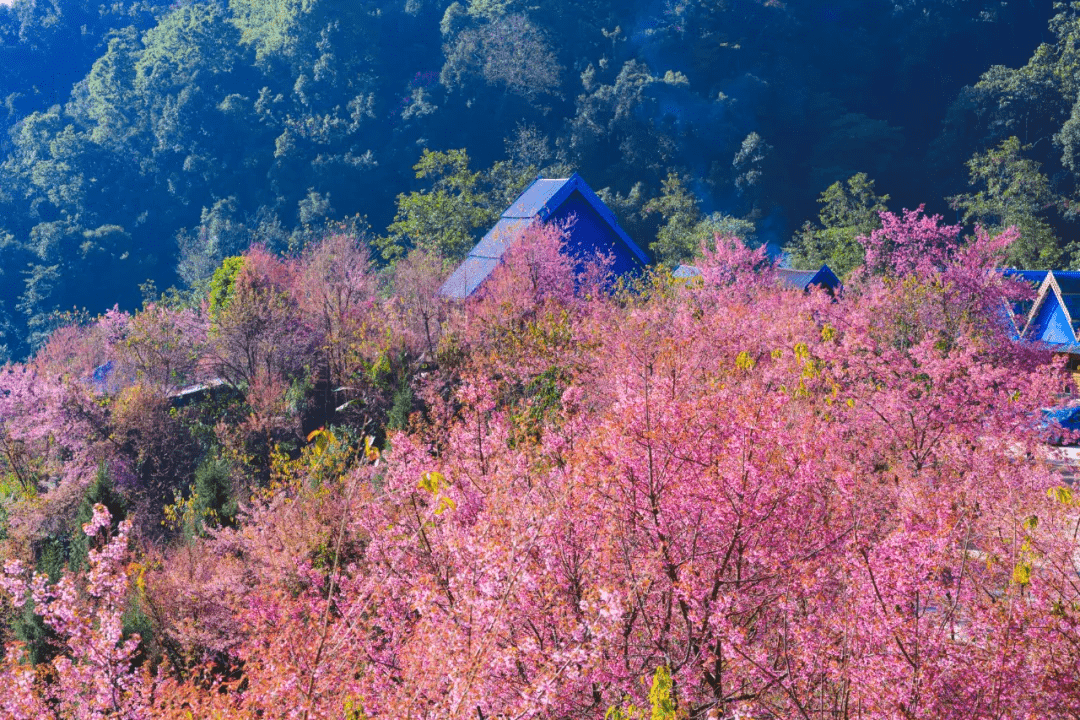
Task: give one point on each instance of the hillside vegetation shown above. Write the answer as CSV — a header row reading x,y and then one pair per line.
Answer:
x,y
559,499
146,139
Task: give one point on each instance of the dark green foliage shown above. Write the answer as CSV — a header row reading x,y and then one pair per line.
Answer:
x,y
1017,128
398,416
505,50
848,211
57,554
676,240
685,229
101,491
212,496
69,550
136,621
1012,191
539,403
153,139
448,218
29,628
52,556
445,218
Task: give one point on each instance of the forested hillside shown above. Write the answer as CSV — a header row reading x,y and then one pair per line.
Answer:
x,y
150,140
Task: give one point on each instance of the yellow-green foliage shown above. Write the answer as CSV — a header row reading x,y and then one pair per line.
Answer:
x,y
221,284
662,703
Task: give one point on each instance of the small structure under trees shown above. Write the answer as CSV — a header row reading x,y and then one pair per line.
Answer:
x,y
1053,318
823,277
591,228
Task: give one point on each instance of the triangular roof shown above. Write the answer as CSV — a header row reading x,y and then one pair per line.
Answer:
x,y
1022,308
1054,316
798,279
803,279
539,202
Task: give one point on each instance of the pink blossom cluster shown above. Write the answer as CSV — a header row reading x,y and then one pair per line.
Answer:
x,y
94,676
798,505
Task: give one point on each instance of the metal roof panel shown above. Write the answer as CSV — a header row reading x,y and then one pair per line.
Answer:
x,y
468,276
796,278
605,212
542,201
500,237
1032,276
535,198
685,271
1072,304
1068,282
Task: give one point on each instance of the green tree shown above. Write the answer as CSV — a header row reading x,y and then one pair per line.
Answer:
x,y
684,230
222,283
507,51
201,250
612,127
213,500
446,218
662,702
1034,100
1014,192
100,491
849,210
1035,103
749,166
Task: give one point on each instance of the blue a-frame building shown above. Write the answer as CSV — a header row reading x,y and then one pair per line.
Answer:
x,y
570,202
823,277
1053,318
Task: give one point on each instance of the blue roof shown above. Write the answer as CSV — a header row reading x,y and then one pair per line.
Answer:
x,y
534,200
464,281
1051,325
826,278
1068,282
800,279
499,238
796,278
102,377
803,279
1033,276
540,202
1054,317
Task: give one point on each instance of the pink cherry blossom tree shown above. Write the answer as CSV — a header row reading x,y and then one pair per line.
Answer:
x,y
94,676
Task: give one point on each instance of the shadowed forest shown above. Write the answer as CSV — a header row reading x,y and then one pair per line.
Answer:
x,y
150,140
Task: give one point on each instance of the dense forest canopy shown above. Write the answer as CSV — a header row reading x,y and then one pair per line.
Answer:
x,y
145,139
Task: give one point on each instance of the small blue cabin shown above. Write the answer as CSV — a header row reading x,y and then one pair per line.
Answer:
x,y
1053,318
823,277
803,280
591,228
